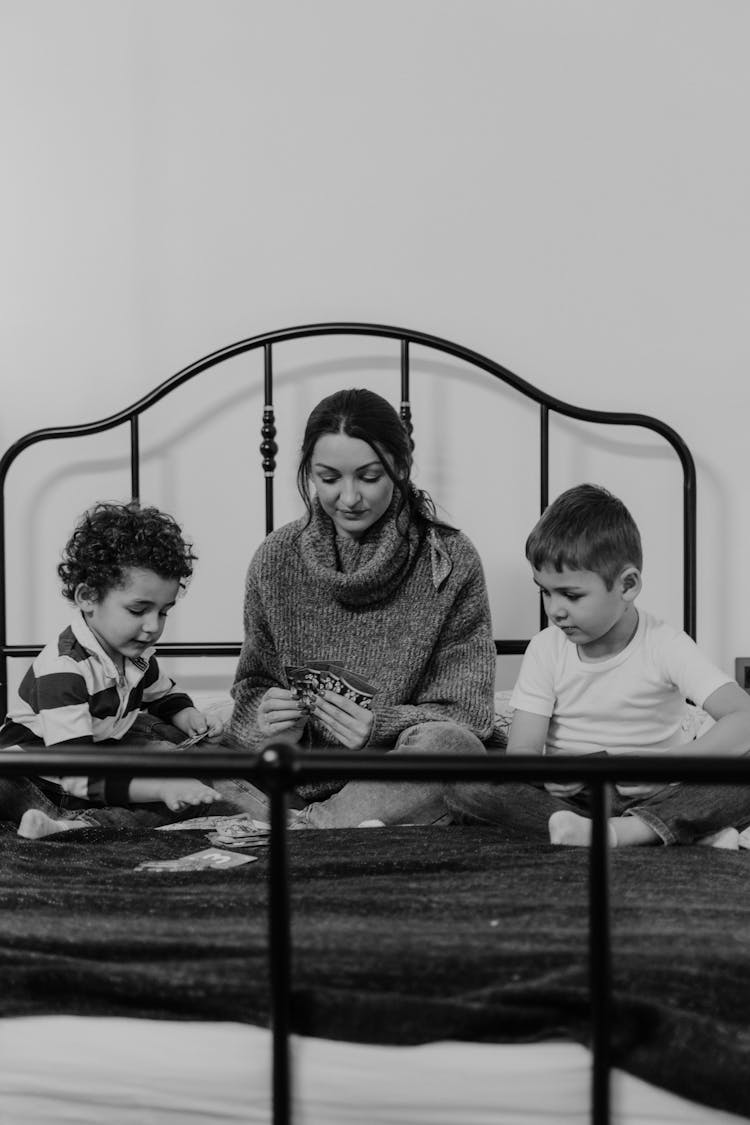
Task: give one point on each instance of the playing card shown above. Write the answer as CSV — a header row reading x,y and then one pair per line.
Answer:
x,y
197,861
303,685
305,681
259,841
354,687
242,828
241,833
197,823
188,742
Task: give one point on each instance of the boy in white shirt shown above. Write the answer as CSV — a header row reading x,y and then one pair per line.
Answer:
x,y
605,677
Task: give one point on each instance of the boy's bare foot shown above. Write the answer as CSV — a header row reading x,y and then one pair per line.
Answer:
x,y
570,829
35,825
728,838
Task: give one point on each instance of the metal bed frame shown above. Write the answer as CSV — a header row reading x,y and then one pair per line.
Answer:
x,y
279,767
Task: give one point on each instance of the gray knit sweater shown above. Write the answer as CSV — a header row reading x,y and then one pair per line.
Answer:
x,y
409,613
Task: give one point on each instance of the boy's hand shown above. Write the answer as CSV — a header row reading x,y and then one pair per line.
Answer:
x,y
191,721
180,792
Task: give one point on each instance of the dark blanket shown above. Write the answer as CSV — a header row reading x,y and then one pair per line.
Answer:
x,y
400,936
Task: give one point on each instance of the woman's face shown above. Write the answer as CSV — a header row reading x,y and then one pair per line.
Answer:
x,y
351,483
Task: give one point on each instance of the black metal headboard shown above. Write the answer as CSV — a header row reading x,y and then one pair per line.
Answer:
x,y
269,342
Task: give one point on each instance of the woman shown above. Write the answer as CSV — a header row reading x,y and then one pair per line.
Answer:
x,y
372,580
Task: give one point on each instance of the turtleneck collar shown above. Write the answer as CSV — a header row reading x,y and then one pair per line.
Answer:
x,y
364,571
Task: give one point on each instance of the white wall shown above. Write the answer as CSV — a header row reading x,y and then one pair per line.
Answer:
x,y
562,186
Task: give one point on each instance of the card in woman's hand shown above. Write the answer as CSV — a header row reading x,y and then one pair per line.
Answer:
x,y
302,684
328,675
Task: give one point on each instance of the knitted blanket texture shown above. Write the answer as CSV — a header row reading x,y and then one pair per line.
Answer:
x,y
399,936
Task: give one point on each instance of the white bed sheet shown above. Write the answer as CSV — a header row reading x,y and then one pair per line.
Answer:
x,y
72,1070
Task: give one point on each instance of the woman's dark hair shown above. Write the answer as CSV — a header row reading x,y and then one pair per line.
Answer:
x,y
363,414
111,538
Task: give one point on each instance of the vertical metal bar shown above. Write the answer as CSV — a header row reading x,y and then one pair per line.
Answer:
x,y
405,410
135,462
4,668
279,937
268,446
600,954
690,556
543,456
543,481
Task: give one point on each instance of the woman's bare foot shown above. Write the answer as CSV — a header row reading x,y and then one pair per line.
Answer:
x,y
35,825
570,829
566,827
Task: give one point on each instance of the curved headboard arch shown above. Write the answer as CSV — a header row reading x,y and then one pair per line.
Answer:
x,y
269,342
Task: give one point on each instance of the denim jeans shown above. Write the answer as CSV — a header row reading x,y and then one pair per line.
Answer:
x,y
122,817
147,733
395,802
678,814
17,795
392,802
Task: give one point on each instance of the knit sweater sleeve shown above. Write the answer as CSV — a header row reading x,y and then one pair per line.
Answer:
x,y
258,668
458,680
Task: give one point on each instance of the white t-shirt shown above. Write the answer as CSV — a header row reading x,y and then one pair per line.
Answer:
x,y
629,703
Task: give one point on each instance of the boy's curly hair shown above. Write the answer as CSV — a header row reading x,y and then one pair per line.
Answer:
x,y
111,538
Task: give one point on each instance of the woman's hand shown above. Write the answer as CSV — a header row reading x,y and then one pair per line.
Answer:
x,y
280,713
350,724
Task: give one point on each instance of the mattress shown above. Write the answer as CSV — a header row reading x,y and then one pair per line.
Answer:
x,y
117,1071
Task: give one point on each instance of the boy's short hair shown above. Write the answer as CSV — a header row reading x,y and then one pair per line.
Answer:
x,y
111,538
586,528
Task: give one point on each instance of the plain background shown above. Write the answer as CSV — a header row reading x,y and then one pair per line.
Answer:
x,y
561,185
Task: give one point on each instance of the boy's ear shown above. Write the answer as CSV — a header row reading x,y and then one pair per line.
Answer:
x,y
631,583
84,597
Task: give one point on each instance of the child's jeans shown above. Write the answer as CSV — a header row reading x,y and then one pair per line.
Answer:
x,y
17,795
678,814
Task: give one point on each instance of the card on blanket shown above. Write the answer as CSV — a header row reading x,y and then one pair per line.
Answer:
x,y
197,861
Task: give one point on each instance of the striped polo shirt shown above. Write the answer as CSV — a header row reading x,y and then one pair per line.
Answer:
x,y
74,693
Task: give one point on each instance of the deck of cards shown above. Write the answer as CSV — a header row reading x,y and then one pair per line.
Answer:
x,y
241,832
307,680
236,831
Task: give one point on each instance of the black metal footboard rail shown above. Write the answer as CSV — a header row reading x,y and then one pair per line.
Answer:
x,y
280,767
269,343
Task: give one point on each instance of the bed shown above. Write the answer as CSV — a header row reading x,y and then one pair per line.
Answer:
x,y
416,975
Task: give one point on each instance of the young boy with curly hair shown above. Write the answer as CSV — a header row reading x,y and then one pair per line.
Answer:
x,y
122,569
607,677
